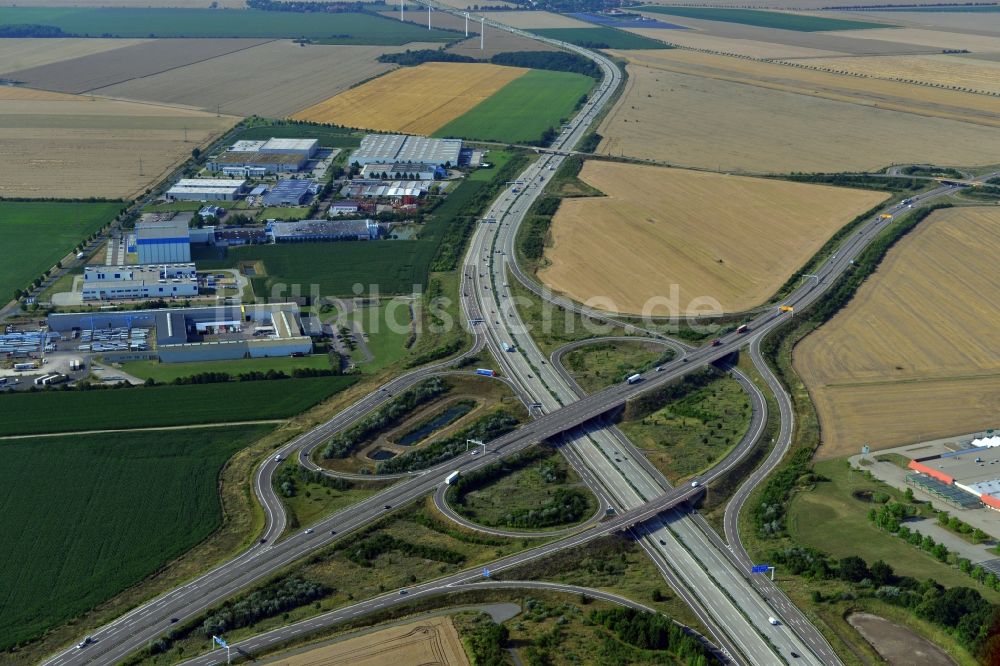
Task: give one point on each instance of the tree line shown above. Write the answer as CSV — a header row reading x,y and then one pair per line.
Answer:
x,y
485,429
386,416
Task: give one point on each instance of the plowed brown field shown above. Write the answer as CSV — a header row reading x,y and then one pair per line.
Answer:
x,y
913,356
732,239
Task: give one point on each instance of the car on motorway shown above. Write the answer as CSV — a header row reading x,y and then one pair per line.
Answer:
x,y
309,531
174,620
662,542
773,620
388,506
402,593
263,540
278,458
87,640
332,532
695,483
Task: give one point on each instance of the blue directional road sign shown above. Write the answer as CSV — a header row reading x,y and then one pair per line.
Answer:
x,y
220,641
486,573
760,568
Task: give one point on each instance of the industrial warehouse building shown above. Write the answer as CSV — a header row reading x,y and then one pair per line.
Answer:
x,y
401,171
162,240
312,231
207,189
403,149
254,159
289,192
202,334
967,477
108,283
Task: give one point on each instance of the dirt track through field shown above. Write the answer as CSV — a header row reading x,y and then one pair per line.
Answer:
x,y
732,239
913,356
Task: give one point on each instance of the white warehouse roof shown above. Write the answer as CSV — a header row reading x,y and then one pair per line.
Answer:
x,y
288,145
246,146
392,148
199,183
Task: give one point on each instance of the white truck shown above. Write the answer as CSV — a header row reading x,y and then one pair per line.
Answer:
x,y
451,478
634,379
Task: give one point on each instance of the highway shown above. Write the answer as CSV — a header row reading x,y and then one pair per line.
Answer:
x,y
564,414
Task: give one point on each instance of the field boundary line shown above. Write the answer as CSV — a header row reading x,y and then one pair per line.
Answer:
x,y
223,424
90,91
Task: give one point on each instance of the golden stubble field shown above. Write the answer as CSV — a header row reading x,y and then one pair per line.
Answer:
x,y
694,109
415,100
65,146
914,355
430,641
946,70
731,238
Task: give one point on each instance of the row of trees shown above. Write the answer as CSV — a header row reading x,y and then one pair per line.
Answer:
x,y
961,611
386,416
652,631
487,428
269,601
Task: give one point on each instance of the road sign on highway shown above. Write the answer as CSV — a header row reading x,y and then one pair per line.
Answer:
x,y
760,568
486,572
220,641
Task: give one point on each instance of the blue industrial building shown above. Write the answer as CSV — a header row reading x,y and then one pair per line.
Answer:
x,y
289,192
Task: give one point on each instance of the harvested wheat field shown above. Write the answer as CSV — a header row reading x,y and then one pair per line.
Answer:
x,y
744,47
732,239
913,356
18,54
540,20
741,115
415,100
431,641
497,41
937,39
90,72
946,70
67,146
275,79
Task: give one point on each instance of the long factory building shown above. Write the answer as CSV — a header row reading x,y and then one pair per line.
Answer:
x,y
113,283
203,333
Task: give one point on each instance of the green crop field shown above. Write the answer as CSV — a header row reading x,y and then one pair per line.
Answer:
x,y
85,517
166,372
38,234
522,110
762,19
62,411
601,38
329,28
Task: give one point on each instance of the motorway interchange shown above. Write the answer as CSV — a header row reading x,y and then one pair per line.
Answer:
x,y
710,574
